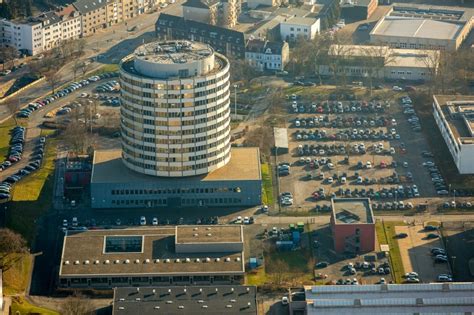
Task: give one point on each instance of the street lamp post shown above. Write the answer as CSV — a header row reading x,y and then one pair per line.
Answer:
x,y
235,100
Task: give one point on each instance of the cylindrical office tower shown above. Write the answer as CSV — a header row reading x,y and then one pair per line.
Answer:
x,y
175,112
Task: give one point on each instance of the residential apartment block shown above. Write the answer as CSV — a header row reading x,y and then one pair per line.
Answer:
x,y
225,41
213,12
265,55
454,115
25,35
93,15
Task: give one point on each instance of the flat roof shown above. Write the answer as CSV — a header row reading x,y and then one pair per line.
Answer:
x,y
352,210
417,28
218,234
172,300
433,11
458,111
281,137
440,298
301,21
108,168
84,254
173,52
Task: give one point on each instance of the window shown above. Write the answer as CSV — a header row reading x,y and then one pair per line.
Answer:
x,y
123,244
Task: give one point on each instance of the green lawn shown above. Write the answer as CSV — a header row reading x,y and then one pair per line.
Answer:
x,y
386,235
106,68
15,279
23,307
267,183
30,188
256,277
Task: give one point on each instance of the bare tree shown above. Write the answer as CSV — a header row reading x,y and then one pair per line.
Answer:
x,y
11,244
431,60
13,105
7,55
77,304
53,78
76,67
280,272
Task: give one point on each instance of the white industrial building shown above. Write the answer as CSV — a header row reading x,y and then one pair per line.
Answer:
x,y
454,115
394,64
413,28
432,298
305,27
175,109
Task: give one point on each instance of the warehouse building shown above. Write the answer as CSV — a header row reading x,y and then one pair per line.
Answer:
x,y
182,255
454,115
432,298
352,225
418,28
213,300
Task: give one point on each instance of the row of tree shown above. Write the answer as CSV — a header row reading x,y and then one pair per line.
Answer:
x,y
448,70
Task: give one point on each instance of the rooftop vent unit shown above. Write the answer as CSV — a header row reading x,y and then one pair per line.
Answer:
x,y
181,307
233,300
237,259
157,307
198,260
107,262
209,234
96,262
208,259
187,260
228,306
227,259
147,261
154,291
195,235
169,302
195,229
121,299
157,261
167,260
117,261
86,262
137,299
76,262
218,259
208,228
177,260
127,261
137,261
66,262
204,306
121,308
200,301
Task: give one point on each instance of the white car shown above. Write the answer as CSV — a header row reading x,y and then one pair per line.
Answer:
x,y
74,221
284,300
65,224
368,164
397,88
411,275
142,220
154,221
246,220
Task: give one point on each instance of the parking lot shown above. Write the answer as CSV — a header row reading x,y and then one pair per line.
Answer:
x,y
344,147
415,253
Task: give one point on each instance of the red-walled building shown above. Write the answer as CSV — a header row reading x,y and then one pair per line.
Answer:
x,y
353,225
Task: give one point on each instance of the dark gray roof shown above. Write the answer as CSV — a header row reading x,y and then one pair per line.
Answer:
x,y
202,4
49,18
261,46
178,22
213,300
85,6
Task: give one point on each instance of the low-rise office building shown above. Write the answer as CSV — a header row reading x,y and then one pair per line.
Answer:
x,y
426,298
296,27
264,55
159,256
352,225
382,62
413,28
210,300
238,184
454,115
